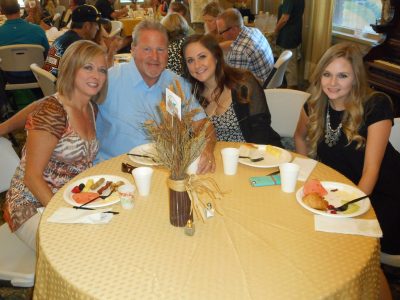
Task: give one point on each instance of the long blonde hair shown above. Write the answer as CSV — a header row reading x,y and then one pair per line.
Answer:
x,y
354,106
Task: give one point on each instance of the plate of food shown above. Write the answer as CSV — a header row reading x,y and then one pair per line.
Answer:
x,y
320,198
263,156
145,155
83,190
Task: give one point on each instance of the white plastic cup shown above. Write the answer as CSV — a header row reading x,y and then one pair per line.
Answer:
x,y
192,169
142,176
230,159
289,173
125,193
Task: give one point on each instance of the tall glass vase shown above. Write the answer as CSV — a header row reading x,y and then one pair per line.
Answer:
x,y
179,203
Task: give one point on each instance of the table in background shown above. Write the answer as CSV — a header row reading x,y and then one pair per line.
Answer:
x,y
129,24
263,247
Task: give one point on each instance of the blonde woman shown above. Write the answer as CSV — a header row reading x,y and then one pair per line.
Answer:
x,y
347,127
177,29
61,138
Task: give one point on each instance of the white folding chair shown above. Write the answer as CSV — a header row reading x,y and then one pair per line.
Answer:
x,y
395,134
275,78
46,80
18,58
17,260
116,27
285,106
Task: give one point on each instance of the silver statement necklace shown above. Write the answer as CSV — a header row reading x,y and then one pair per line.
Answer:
x,y
331,135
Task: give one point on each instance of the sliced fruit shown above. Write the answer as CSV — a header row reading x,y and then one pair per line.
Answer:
x,y
84,197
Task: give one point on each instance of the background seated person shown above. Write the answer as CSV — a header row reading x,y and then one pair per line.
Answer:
x,y
14,31
180,8
210,13
35,14
85,25
177,29
249,49
106,8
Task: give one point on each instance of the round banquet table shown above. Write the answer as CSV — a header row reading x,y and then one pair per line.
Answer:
x,y
263,247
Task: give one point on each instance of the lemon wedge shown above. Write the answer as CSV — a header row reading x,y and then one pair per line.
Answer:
x,y
273,151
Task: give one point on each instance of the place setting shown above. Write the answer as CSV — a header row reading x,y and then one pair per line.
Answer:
x,y
263,156
335,206
91,198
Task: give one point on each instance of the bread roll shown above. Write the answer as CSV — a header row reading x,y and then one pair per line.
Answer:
x,y
316,201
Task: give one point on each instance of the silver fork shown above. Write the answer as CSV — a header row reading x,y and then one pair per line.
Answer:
x,y
345,206
252,159
143,155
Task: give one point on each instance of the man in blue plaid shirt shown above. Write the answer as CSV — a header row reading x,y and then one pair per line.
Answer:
x,y
249,48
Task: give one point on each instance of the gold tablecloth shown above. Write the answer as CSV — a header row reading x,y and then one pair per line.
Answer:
x,y
263,247
129,24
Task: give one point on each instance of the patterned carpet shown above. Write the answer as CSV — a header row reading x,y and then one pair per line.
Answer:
x,y
10,293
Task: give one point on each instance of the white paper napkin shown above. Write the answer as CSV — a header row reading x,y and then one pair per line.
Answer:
x,y
307,165
82,216
348,226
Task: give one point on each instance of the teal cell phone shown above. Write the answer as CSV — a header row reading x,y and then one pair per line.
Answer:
x,y
258,181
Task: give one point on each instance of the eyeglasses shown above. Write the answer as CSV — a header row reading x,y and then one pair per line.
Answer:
x,y
223,31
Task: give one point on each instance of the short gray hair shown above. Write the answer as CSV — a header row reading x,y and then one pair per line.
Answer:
x,y
231,17
147,25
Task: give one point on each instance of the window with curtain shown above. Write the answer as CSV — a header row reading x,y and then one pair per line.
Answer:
x,y
356,15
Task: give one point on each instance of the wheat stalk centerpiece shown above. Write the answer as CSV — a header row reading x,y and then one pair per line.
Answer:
x,y
176,140
178,143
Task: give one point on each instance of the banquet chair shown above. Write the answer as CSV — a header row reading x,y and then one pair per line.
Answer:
x,y
285,106
17,260
395,134
116,27
275,78
18,58
46,80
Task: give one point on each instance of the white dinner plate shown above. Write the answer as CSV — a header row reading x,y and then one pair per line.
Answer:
x,y
114,198
269,161
338,194
146,149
